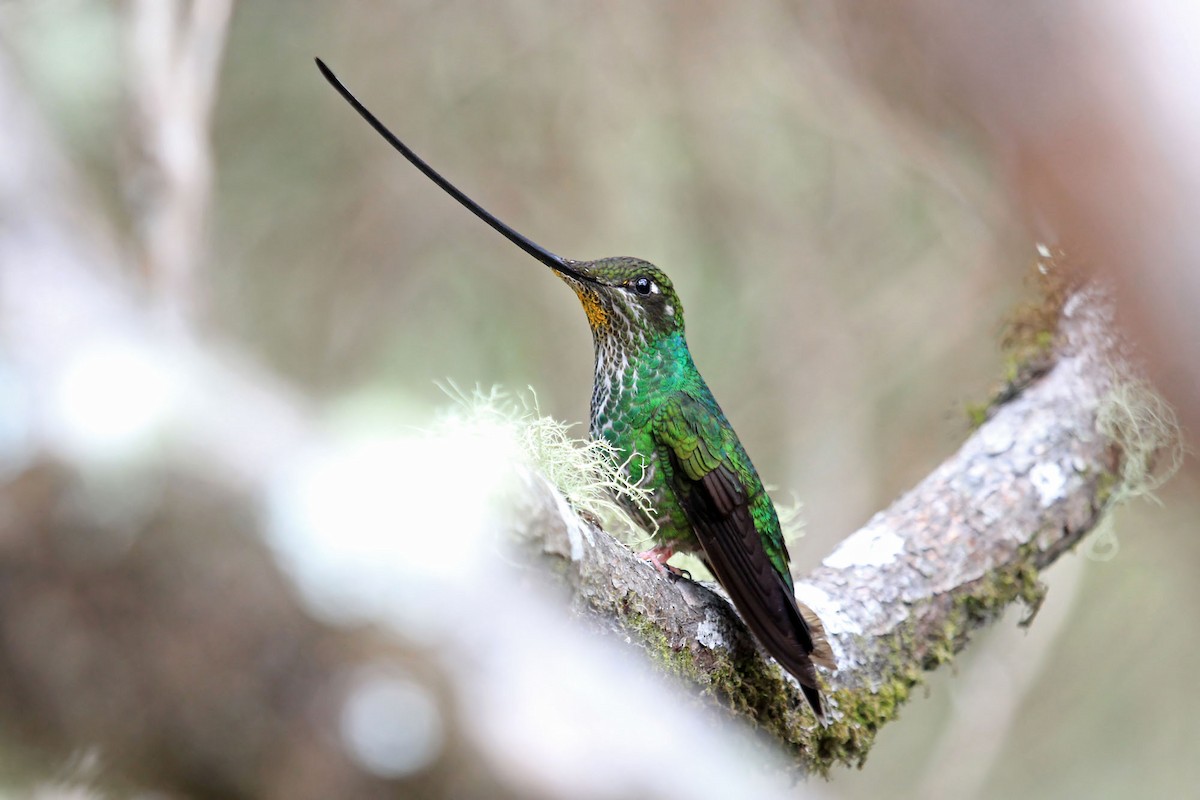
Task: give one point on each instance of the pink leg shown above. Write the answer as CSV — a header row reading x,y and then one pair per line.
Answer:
x,y
658,556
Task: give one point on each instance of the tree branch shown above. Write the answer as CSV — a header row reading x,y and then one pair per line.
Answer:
x,y
903,594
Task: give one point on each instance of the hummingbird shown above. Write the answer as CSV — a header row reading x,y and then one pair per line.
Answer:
x,y
651,404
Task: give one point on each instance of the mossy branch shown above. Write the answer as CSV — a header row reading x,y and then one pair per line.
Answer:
x,y
903,594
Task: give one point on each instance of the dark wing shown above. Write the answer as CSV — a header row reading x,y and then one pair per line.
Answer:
x,y
717,487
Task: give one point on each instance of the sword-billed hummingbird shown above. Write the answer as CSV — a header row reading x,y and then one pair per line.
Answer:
x,y
650,403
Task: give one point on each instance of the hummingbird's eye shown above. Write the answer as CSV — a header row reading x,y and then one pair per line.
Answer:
x,y
643,285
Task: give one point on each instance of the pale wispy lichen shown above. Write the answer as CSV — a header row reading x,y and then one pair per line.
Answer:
x,y
588,472
1143,425
1135,418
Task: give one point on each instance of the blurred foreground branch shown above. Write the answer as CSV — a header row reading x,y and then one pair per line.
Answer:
x,y
141,614
145,625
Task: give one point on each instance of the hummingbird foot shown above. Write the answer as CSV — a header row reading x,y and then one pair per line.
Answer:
x,y
657,556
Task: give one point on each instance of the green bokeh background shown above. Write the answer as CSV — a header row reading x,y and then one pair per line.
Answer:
x,y
846,274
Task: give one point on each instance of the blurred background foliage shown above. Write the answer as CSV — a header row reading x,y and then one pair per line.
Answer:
x,y
846,273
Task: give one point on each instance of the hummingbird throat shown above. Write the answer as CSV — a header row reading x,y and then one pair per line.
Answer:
x,y
597,314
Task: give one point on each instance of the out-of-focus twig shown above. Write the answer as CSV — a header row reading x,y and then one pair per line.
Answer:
x,y
174,61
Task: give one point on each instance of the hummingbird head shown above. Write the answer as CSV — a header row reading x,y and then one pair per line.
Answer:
x,y
626,299
629,302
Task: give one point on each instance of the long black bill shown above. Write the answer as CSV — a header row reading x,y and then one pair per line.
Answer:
x,y
555,262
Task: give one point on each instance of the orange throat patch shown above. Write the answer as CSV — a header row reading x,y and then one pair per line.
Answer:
x,y
597,314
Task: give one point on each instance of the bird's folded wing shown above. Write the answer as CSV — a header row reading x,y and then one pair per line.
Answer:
x,y
701,452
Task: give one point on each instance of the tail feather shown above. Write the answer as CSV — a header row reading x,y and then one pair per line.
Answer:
x,y
822,653
789,630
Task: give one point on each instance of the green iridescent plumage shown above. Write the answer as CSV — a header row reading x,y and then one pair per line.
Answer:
x,y
650,403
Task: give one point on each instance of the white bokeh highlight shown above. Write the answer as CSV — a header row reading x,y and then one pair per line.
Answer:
x,y
390,723
112,400
384,526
